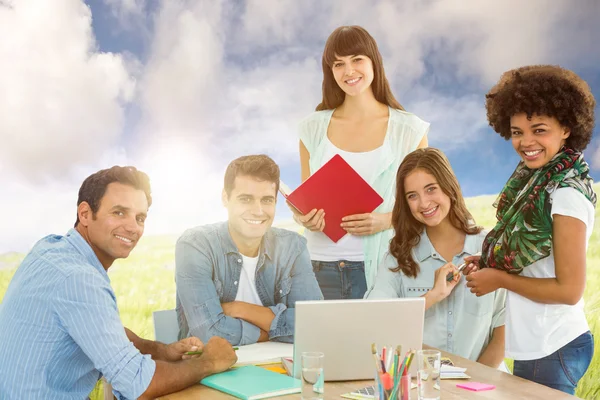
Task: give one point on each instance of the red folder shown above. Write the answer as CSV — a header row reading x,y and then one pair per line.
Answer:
x,y
339,190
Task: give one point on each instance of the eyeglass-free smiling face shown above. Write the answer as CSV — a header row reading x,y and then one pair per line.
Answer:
x,y
353,74
114,230
427,201
250,208
538,139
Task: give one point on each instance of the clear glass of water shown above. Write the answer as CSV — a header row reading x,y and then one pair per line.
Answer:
x,y
313,381
428,374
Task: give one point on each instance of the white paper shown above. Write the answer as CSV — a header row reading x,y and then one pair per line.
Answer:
x,y
265,352
452,372
451,369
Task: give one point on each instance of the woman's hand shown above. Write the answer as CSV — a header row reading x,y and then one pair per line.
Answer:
x,y
441,286
366,224
472,264
485,281
313,221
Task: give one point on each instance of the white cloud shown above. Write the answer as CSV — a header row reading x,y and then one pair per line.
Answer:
x,y
31,212
222,79
61,99
180,86
453,123
125,9
186,186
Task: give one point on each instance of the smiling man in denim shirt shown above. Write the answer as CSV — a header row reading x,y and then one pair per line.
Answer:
x,y
241,278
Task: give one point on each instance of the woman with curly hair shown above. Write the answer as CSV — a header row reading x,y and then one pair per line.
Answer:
x,y
537,250
434,231
360,119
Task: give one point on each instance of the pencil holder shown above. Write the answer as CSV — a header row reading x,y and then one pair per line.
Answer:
x,y
405,387
388,388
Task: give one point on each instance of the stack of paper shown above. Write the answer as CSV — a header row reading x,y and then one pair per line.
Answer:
x,y
263,353
451,372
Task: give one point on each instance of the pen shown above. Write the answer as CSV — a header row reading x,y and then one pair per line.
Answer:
x,y
194,353
462,266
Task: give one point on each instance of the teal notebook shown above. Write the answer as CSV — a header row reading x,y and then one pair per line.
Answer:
x,y
252,382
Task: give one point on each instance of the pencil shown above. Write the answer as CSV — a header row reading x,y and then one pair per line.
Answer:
x,y
378,368
410,358
195,353
376,358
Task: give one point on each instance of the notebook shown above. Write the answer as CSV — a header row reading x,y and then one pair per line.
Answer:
x,y
263,353
337,189
252,382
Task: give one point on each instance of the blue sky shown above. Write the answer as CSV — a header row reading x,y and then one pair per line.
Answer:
x,y
180,88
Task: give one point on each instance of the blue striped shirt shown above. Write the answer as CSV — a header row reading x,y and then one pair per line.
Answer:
x,y
60,328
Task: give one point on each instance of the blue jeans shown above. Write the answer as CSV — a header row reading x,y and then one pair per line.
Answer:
x,y
341,279
562,369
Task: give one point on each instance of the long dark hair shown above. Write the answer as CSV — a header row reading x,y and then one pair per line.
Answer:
x,y
346,41
407,229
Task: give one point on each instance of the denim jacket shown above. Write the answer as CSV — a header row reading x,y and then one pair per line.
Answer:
x,y
207,272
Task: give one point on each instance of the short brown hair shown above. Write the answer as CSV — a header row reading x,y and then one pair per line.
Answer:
x,y
261,167
94,186
347,41
407,229
547,90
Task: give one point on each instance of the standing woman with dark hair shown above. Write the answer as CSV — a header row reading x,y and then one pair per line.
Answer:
x,y
360,120
537,250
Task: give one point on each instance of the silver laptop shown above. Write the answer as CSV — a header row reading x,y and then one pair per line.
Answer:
x,y
344,329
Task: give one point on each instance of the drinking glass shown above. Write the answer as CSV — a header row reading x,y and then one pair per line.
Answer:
x,y
313,381
428,374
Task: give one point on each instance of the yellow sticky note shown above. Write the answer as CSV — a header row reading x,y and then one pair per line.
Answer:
x,y
277,369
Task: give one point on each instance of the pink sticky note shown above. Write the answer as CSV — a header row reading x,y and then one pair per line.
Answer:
x,y
475,386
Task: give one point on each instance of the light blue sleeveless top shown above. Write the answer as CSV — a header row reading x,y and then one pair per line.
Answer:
x,y
404,133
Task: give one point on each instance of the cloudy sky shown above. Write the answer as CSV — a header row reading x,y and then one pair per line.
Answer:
x,y
179,88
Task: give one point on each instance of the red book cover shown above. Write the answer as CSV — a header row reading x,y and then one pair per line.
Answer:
x,y
339,190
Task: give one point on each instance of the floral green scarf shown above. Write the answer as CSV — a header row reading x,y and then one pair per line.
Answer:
x,y
523,234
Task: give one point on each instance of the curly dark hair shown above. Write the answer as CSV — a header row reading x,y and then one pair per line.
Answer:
x,y
547,90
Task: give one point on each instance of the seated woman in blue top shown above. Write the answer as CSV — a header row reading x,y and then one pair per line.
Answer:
x,y
434,231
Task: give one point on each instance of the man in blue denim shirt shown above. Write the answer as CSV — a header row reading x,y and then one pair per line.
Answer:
x,y
240,279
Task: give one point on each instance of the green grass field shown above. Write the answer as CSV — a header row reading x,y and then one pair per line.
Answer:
x,y
144,283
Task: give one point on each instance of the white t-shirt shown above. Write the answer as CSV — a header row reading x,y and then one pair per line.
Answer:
x,y
535,330
247,284
349,247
